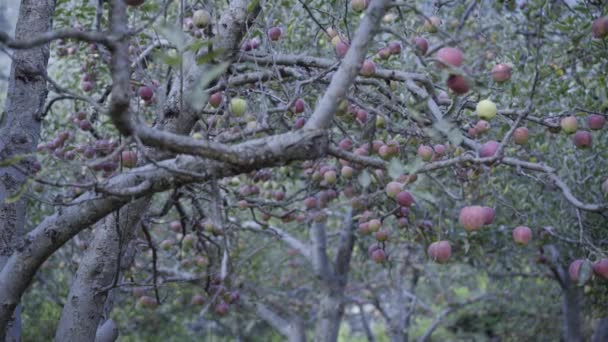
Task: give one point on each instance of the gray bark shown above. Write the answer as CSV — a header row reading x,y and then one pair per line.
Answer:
x,y
20,128
572,312
107,332
293,329
601,331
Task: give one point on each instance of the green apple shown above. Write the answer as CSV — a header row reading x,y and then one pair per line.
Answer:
x,y
238,106
486,109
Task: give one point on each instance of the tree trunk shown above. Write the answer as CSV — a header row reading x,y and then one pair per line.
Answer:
x,y
20,129
601,331
98,269
331,309
572,312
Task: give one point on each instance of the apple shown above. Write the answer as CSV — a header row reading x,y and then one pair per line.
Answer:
x,y
359,5
381,235
374,225
393,188
384,53
501,72
482,126
472,217
488,215
486,109
488,149
582,139
341,48
596,121
522,235
310,202
134,2
346,144
176,226
600,27
129,158
166,244
575,268
299,123
600,268
298,106
450,56
221,309
201,18
394,47
440,251
274,33
385,152
347,171
520,136
458,84
432,24
379,256
215,100
372,248
422,45
425,152
368,68
362,116
86,86
569,124
440,149
404,198
197,299
330,177
331,32
147,302
146,93
238,106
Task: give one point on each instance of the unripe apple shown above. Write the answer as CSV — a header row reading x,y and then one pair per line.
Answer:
x,y
482,126
472,132
596,121
582,139
274,33
134,2
486,109
522,235
600,27
215,100
488,215
600,268
569,124
488,149
129,158
374,225
330,177
197,299
380,121
298,106
425,152
347,172
176,226
238,106
368,68
575,268
201,18
458,84
166,244
393,188
520,136
449,56
472,218
359,5
331,32
394,47
381,235
432,24
188,241
379,256
501,72
362,116
404,198
440,251
341,48
422,45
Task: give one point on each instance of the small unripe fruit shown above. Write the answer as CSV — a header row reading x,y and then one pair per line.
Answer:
x,y
215,100
347,172
520,136
472,218
596,121
238,106
381,235
404,198
359,5
422,45
147,302
600,268
166,244
368,68
274,33
522,235
440,251
432,24
501,72
85,125
450,56
330,177
299,123
458,84
486,109
221,309
439,149
582,139
201,18
393,188
374,225
569,124
176,226
574,269
346,144
331,32
197,299
425,152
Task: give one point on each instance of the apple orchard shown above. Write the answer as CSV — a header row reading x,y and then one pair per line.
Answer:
x,y
361,170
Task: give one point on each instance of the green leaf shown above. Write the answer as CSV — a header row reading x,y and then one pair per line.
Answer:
x,y
198,97
174,35
172,59
364,179
585,273
395,168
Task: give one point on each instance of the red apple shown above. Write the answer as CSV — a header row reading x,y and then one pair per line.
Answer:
x,y
600,27
458,84
472,218
129,158
379,256
404,198
341,48
221,309
582,139
274,33
520,136
298,106
384,53
134,2
482,126
501,72
86,86
215,100
488,215
146,93
439,149
600,268
450,56
569,124
381,235
368,68
394,47
522,235
596,121
488,149
299,123
575,268
421,44
440,251
425,152
310,202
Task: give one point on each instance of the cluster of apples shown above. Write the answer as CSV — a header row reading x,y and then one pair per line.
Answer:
x,y
582,138
600,268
